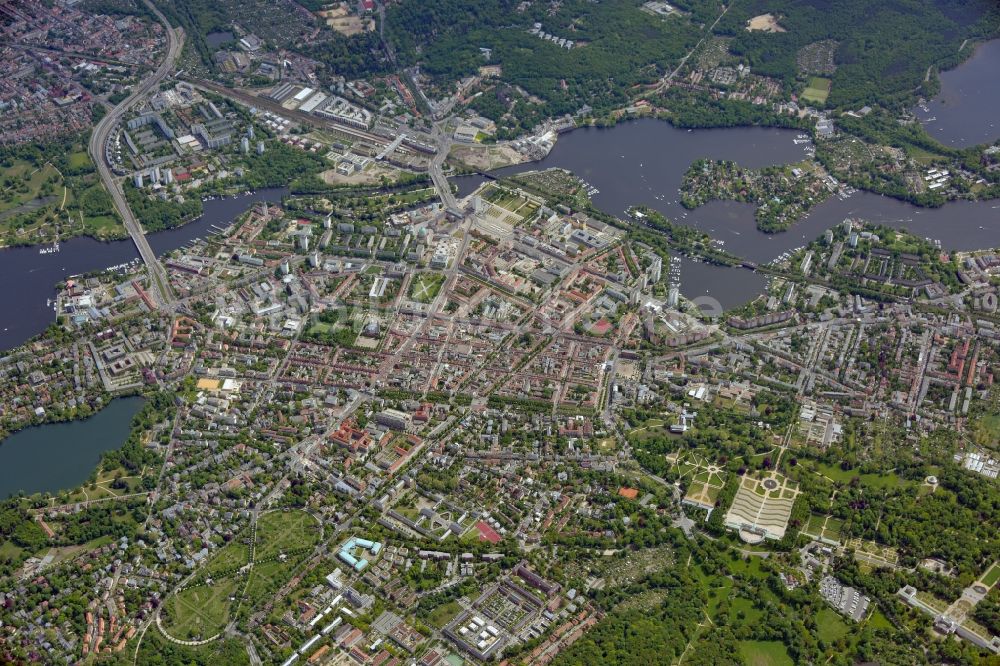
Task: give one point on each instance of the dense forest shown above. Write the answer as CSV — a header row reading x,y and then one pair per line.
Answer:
x,y
616,46
133,455
18,527
643,637
156,214
699,110
279,166
724,609
70,198
884,48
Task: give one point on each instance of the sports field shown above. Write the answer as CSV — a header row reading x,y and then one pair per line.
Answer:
x,y
818,90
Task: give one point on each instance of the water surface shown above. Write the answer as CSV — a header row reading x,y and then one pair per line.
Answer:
x,y
61,456
966,111
28,279
217,39
643,163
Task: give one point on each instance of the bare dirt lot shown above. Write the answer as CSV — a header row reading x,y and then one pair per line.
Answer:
x,y
369,176
764,23
340,20
485,158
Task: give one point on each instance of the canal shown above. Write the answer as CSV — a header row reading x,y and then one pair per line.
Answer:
x,y
60,456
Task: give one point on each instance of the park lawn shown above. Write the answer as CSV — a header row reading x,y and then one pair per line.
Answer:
x,y
815,527
833,528
923,156
882,481
874,481
316,326
834,473
718,588
27,183
412,196
87,493
829,626
818,90
201,611
335,332
764,653
103,226
712,492
267,578
9,551
229,558
606,445
751,567
470,537
425,287
409,512
65,206
503,198
703,491
687,468
743,605
992,576
280,531
79,159
986,429
880,621
939,605
442,614
65,553
815,524
646,433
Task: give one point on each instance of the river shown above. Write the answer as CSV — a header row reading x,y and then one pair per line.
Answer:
x,y
637,162
28,279
60,456
643,162
964,112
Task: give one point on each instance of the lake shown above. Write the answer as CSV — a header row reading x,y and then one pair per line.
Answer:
x,y
25,313
643,162
217,39
60,456
964,112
